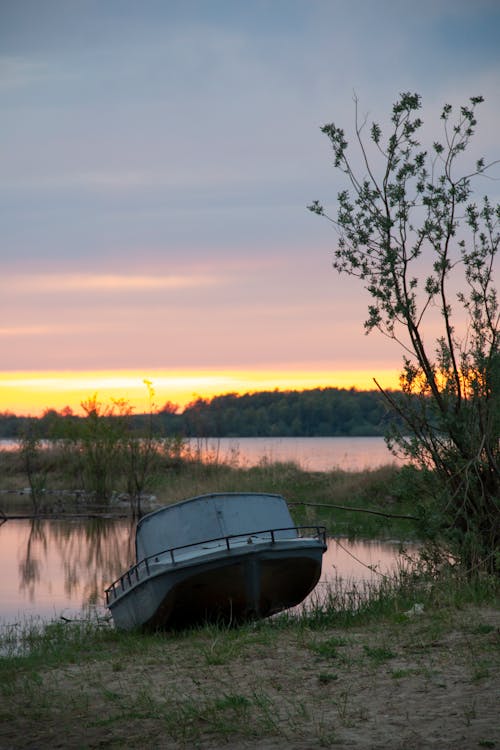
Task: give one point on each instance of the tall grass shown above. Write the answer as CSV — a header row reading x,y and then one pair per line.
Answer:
x,y
402,595
178,476
408,592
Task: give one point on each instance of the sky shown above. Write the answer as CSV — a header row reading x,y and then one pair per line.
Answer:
x,y
157,159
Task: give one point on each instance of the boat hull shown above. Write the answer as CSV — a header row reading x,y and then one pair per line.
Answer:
x,y
227,587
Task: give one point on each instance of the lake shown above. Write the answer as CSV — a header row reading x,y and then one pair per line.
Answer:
x,y
310,453
61,567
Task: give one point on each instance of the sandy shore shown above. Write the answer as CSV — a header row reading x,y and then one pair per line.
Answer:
x,y
430,681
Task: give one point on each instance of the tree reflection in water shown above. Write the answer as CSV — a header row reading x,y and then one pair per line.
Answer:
x,y
30,564
88,556
65,564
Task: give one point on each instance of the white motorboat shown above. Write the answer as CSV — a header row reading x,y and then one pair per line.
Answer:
x,y
225,557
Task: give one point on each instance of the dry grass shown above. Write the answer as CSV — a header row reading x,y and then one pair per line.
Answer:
x,y
174,481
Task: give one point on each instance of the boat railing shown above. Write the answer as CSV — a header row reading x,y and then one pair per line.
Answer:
x,y
172,555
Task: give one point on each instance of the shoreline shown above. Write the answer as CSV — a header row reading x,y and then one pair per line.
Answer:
x,y
429,682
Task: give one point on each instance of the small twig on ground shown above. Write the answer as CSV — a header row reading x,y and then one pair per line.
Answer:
x,y
105,619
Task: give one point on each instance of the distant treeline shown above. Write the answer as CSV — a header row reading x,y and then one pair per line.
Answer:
x,y
317,412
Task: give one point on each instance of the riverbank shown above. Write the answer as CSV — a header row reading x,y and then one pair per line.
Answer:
x,y
389,675
387,489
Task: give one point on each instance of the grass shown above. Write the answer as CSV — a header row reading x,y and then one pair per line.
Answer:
x,y
310,675
36,644
380,489
290,677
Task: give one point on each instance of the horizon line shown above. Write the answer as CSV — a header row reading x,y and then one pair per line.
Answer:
x,y
31,393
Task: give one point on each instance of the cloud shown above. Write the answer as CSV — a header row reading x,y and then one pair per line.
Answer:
x,y
62,283
34,330
158,159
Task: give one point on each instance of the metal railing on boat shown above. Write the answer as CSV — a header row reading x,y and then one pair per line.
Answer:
x,y
133,575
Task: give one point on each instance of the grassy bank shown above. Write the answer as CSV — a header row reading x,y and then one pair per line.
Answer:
x,y
410,662
387,489
363,671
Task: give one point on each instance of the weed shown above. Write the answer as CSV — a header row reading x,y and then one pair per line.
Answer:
x,y
328,649
379,653
342,708
224,643
470,713
481,672
233,701
482,629
324,678
326,733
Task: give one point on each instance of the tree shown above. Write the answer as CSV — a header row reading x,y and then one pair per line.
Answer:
x,y
169,407
100,438
425,252
140,453
31,453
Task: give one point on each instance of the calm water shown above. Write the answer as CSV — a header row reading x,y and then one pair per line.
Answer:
x,y
49,568
60,567
314,454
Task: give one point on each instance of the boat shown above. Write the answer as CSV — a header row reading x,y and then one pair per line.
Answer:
x,y
222,557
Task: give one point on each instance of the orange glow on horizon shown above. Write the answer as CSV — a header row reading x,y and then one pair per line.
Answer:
x,y
49,283
31,393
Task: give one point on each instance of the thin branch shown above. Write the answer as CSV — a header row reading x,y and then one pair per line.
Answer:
x,y
356,510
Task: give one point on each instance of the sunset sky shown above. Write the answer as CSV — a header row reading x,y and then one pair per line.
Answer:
x,y
157,159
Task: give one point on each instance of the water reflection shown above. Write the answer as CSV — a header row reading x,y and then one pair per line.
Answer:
x,y
311,453
30,563
365,560
54,567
